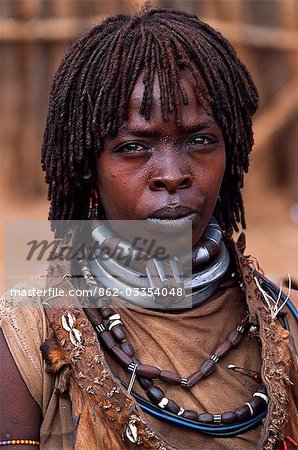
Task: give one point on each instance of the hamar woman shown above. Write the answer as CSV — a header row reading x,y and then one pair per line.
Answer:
x,y
150,120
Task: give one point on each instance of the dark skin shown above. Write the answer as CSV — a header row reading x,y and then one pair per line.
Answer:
x,y
154,165
19,419
150,169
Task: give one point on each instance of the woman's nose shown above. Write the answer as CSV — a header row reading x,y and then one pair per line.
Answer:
x,y
170,181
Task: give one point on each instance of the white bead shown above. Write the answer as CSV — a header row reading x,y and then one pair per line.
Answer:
x,y
132,367
184,381
114,323
181,411
115,317
100,328
263,396
164,401
250,408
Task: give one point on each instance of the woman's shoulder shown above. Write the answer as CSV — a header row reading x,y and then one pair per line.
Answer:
x,y
24,325
21,309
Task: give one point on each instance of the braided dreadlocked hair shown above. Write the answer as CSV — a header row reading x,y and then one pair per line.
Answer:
x,y
92,87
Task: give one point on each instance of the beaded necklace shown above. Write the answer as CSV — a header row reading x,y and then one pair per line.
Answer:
x,y
109,327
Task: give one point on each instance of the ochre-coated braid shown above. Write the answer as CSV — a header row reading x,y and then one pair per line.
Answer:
x,y
92,89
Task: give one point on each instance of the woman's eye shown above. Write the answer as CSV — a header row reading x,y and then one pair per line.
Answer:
x,y
130,147
202,140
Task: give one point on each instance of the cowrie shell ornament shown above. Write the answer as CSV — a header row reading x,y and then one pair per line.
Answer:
x,y
75,336
68,321
132,432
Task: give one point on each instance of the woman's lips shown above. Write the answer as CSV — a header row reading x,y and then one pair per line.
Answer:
x,y
173,219
182,220
171,213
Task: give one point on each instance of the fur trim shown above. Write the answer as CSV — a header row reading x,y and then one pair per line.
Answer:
x,y
54,356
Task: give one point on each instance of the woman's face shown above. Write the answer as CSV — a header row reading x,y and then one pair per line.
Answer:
x,y
157,169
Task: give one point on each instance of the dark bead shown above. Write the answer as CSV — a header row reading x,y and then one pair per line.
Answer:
x,y
206,418
106,324
243,412
118,332
145,370
107,340
107,312
190,415
127,348
169,377
194,378
235,337
93,316
121,357
223,349
229,417
172,407
257,378
155,394
145,383
261,388
207,367
258,404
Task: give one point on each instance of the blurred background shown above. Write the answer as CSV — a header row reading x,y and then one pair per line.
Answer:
x,y
33,37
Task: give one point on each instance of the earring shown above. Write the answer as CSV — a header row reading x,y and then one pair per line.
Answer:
x,y
87,175
93,203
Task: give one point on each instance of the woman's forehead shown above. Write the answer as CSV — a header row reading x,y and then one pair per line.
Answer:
x,y
192,114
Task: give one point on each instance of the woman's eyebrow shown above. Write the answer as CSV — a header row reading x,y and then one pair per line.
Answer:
x,y
200,126
143,132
